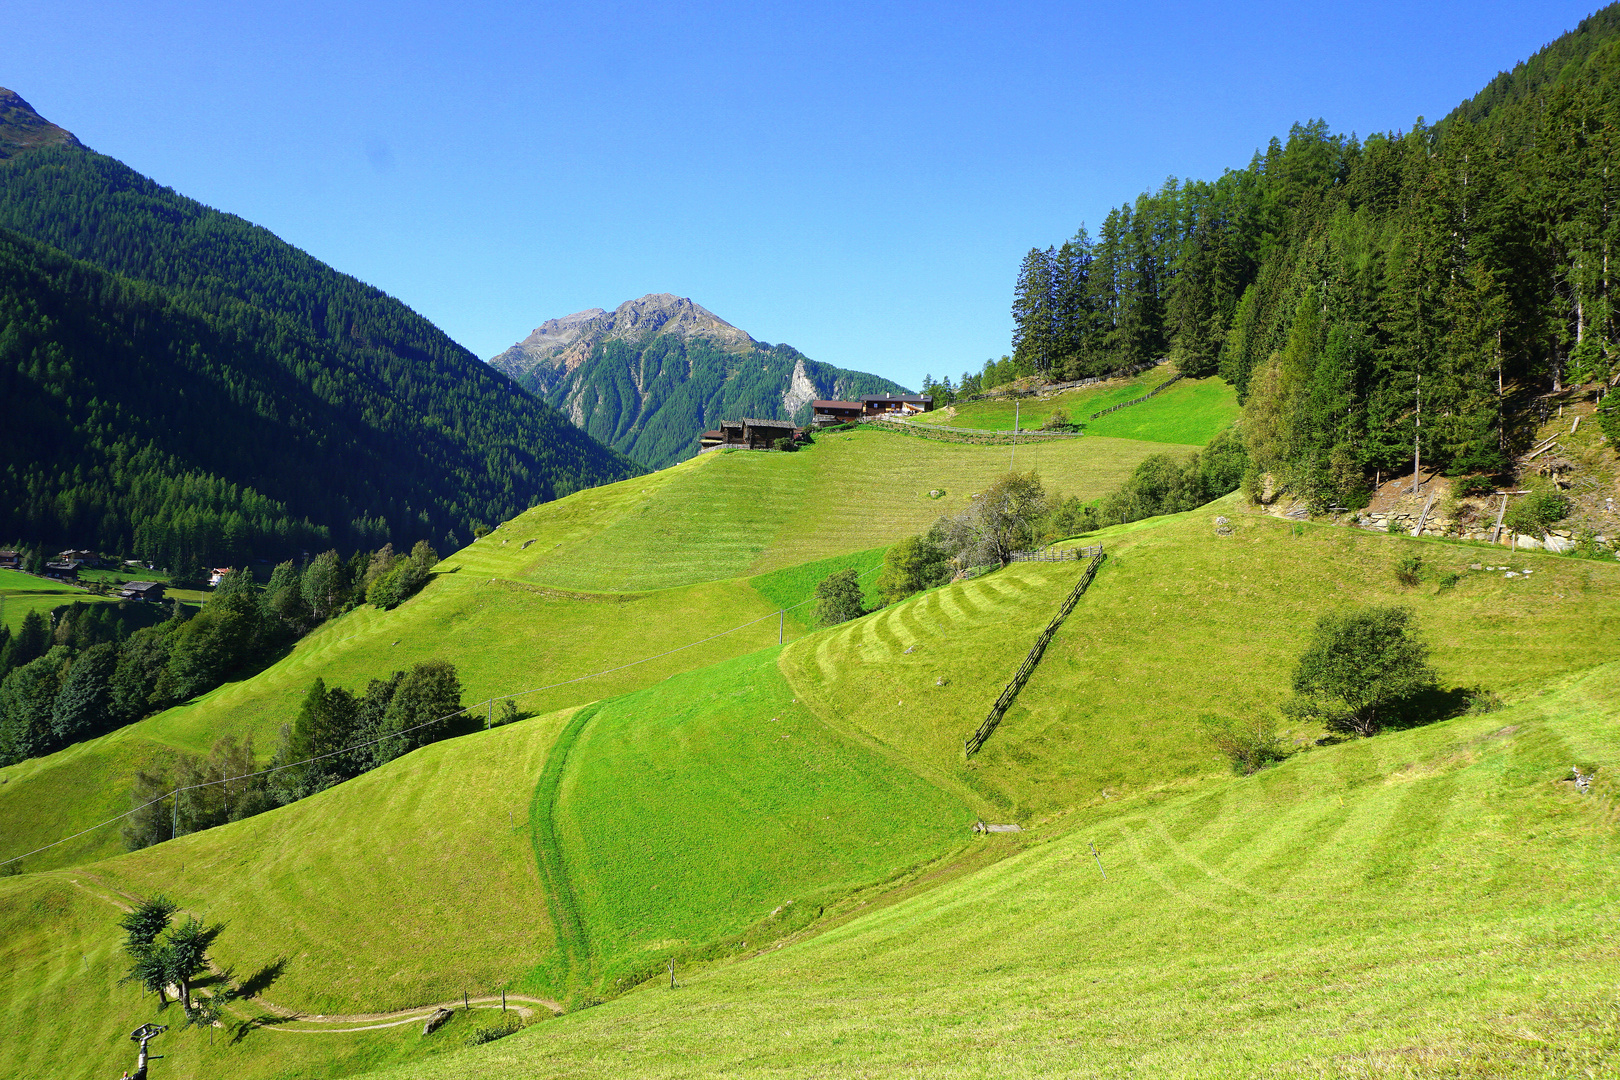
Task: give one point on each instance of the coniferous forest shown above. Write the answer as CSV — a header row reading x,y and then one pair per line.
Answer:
x,y
182,385
1371,298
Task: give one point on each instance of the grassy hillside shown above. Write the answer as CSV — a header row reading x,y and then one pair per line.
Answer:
x,y
1432,902
1111,709
407,885
542,601
1192,411
671,795
21,593
729,514
573,854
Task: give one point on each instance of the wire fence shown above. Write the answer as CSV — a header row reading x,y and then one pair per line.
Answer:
x,y
1021,676
487,703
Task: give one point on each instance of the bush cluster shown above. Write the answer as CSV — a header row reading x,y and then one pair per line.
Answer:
x,y
394,715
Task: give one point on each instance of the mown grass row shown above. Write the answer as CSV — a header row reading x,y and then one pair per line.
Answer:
x,y
1112,709
573,940
1434,902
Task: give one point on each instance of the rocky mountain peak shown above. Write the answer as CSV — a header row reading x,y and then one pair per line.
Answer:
x,y
21,128
563,344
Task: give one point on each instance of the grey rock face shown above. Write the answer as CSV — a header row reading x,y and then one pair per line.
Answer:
x,y
561,345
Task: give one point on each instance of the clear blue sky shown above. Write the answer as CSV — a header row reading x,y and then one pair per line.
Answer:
x,y
858,181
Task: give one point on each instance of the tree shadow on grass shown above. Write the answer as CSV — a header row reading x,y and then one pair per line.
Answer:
x,y
1430,707
261,980
241,1029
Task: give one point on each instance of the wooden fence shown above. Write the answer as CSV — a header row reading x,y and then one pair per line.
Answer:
x,y
1057,554
974,436
999,709
1171,381
1059,387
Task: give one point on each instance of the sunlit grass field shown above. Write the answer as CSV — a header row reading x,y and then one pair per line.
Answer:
x,y
502,639
514,614
1434,902
713,803
21,593
1112,707
1193,411
725,515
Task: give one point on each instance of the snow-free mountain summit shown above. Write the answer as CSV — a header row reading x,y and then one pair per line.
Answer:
x,y
650,375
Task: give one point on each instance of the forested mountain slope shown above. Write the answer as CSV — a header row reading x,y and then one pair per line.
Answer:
x,y
197,387
649,376
1420,286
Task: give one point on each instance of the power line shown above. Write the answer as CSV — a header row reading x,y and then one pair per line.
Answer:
x,y
415,727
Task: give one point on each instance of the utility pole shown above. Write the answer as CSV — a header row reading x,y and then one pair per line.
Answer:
x,y
143,1035
781,625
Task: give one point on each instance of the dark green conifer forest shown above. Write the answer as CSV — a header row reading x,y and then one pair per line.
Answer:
x,y
180,384
1412,292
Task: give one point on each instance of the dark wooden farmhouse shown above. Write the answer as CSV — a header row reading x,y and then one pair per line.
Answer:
x,y
63,571
10,559
764,434
142,590
750,433
827,413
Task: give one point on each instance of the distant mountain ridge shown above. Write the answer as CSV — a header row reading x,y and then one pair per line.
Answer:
x,y
649,376
21,128
152,348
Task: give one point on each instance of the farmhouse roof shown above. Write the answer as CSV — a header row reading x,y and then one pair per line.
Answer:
x,y
142,586
917,398
768,423
835,405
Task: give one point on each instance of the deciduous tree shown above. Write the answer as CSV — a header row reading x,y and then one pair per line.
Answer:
x,y
1359,668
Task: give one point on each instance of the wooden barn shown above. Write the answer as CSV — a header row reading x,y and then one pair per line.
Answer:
x,y
827,413
142,590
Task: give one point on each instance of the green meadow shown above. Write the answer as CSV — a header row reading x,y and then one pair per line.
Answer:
x,y
1429,903
1193,411
789,825
574,595
670,795
723,515
1110,709
21,593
